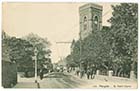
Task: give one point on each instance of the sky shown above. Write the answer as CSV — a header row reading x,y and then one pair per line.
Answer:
x,y
59,22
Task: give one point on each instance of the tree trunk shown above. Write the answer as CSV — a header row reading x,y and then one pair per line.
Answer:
x,y
115,73
119,73
115,69
132,74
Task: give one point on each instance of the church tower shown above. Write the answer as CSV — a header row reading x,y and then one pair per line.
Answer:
x,y
90,19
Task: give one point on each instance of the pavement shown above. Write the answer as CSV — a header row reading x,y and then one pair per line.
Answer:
x,y
26,83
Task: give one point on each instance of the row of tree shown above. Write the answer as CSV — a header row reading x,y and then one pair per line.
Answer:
x,y
112,48
21,51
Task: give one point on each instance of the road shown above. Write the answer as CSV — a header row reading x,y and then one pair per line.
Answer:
x,y
68,80
60,80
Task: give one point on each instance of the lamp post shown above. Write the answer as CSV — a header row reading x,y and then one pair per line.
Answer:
x,y
35,58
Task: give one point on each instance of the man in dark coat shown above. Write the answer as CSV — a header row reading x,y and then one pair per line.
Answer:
x,y
41,73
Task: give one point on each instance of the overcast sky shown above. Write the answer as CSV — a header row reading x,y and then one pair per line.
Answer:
x,y
56,21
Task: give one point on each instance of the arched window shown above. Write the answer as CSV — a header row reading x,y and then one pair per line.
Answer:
x,y
85,23
95,22
85,19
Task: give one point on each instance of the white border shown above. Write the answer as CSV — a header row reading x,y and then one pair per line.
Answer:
x,y
135,1
70,0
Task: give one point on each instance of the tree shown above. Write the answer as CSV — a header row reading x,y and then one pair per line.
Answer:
x,y
94,49
70,62
5,48
76,53
124,29
21,52
42,45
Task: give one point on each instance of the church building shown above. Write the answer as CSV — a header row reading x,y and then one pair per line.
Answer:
x,y
90,19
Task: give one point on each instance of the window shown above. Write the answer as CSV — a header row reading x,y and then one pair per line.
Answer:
x,y
85,23
85,19
95,22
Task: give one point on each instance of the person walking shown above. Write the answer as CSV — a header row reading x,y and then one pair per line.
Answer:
x,y
88,72
41,73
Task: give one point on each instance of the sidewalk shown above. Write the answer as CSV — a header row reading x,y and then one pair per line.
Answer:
x,y
101,81
26,83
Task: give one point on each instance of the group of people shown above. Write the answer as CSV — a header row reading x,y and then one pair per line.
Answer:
x,y
90,72
81,71
44,70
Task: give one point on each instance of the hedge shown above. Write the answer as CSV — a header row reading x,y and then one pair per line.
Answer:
x,y
9,74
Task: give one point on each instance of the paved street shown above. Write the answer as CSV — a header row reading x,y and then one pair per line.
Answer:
x,y
60,80
66,80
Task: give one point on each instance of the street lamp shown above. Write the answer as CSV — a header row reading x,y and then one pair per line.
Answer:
x,y
35,58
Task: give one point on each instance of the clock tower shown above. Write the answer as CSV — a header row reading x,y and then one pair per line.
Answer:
x,y
90,19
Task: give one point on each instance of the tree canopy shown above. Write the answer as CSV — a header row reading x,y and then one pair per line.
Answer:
x,y
21,51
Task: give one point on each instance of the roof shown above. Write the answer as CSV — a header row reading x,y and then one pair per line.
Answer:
x,y
89,5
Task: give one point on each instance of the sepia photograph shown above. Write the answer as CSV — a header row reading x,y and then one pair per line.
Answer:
x,y
69,45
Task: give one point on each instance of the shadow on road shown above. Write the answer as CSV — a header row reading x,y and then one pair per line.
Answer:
x,y
56,75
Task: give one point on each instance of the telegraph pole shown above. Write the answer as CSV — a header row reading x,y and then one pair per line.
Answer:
x,y
35,58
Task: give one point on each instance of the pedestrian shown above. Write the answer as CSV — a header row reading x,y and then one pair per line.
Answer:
x,y
77,71
82,73
41,73
88,72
